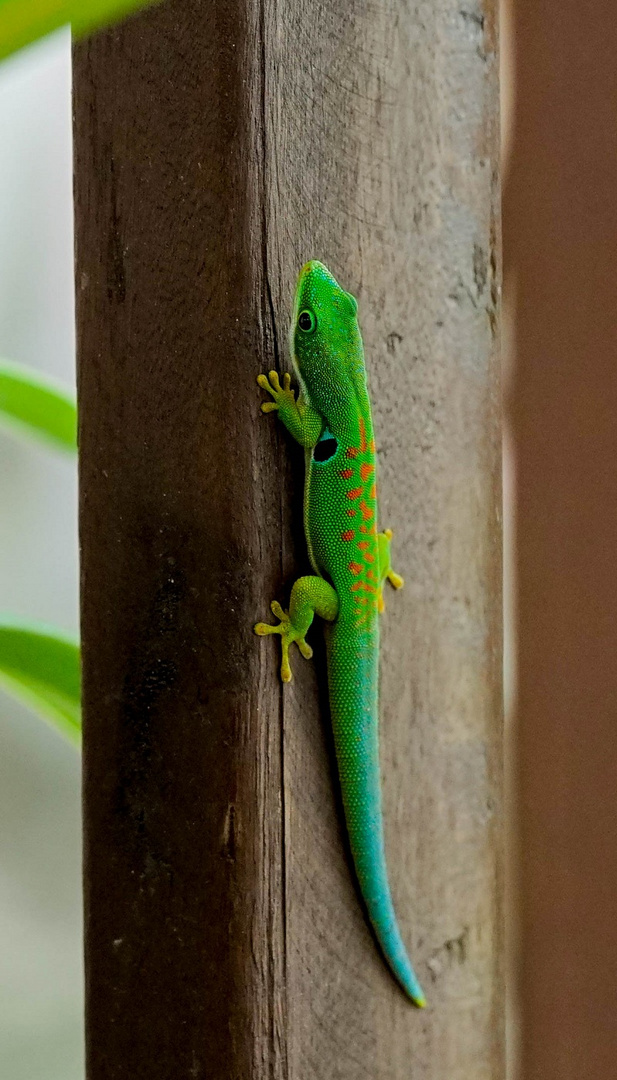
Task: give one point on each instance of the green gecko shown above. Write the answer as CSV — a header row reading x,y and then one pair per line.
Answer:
x,y
331,419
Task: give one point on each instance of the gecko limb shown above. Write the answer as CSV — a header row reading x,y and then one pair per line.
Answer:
x,y
310,596
385,568
301,419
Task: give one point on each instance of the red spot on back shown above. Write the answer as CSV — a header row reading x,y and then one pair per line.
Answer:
x,y
363,442
353,493
363,545
355,568
365,510
366,469
369,558
348,534
352,451
346,473
351,513
363,586
373,492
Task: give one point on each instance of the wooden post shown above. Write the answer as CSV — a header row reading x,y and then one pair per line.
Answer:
x,y
561,229
218,146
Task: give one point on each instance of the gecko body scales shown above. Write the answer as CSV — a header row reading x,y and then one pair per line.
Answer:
x,y
331,418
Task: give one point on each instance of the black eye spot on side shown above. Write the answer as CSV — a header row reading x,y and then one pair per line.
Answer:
x,y
306,321
326,447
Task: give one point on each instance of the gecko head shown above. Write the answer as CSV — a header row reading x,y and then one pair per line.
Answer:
x,y
325,338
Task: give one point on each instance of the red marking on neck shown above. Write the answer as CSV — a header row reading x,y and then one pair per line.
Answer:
x,y
365,510
366,469
351,513
355,567
353,493
352,451
363,545
346,473
348,534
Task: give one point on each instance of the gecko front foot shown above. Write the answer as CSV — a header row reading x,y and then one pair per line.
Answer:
x,y
289,633
283,396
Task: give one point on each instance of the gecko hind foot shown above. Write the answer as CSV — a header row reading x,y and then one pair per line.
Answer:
x,y
289,634
386,573
395,579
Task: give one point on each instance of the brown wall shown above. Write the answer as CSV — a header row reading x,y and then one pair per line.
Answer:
x,y
561,272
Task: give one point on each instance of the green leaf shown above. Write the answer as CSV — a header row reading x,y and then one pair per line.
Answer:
x,y
40,667
23,21
34,404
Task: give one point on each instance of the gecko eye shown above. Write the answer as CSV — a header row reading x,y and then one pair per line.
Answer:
x,y
306,321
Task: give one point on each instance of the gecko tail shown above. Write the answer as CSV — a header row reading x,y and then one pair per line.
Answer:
x,y
389,937
353,679
366,837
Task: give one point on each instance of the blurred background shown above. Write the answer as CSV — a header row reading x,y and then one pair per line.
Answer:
x,y
40,903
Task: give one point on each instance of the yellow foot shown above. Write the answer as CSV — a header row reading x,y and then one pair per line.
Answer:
x,y
395,579
281,394
288,634
386,571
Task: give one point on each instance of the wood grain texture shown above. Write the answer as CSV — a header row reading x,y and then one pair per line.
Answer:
x,y
561,231
217,148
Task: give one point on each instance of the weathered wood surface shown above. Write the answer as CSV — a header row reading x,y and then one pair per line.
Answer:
x,y
561,229
218,146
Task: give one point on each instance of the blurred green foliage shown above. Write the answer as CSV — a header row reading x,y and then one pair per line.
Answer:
x,y
39,665
33,405
23,21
